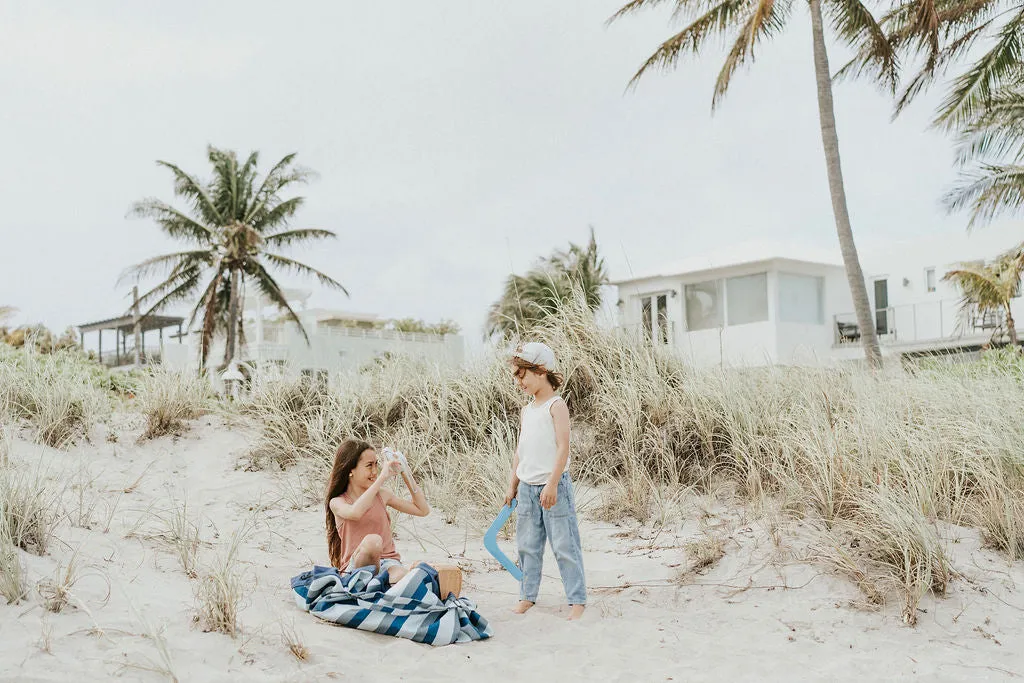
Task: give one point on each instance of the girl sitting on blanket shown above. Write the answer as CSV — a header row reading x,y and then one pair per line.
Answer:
x,y
358,524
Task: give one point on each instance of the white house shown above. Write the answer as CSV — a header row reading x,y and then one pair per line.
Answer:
x,y
337,340
768,303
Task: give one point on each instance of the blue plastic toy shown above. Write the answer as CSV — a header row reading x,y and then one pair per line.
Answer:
x,y
491,541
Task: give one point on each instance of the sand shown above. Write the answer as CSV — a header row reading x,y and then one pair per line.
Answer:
x,y
764,612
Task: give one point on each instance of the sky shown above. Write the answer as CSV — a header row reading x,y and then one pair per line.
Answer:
x,y
455,142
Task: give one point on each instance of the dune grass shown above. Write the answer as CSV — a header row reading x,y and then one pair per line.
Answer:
x,y
884,457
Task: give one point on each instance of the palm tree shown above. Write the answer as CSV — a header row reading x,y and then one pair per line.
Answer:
x,y
751,22
230,227
553,282
989,288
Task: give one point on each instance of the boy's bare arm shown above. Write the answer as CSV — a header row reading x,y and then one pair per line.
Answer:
x,y
513,484
560,416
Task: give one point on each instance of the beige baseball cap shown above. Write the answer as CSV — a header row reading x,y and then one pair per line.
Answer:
x,y
537,354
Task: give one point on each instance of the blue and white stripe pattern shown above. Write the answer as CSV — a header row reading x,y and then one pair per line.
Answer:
x,y
410,609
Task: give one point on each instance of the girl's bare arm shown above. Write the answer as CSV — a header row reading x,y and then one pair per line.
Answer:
x,y
357,509
417,507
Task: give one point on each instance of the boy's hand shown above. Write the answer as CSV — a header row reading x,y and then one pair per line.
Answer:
x,y
548,496
510,495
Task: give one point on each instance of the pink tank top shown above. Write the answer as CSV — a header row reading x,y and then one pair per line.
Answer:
x,y
375,521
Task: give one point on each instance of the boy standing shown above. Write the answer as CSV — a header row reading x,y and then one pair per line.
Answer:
x,y
540,479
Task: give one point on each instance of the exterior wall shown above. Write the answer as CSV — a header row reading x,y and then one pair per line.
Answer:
x,y
810,344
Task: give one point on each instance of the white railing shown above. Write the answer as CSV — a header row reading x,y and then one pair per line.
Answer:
x,y
277,333
922,322
114,359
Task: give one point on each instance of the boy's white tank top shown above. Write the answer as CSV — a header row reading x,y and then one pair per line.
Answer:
x,y
537,447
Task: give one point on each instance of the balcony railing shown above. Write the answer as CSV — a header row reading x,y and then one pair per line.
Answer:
x,y
930,321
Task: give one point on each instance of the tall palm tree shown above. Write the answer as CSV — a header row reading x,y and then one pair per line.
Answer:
x,y
528,299
230,226
988,288
750,22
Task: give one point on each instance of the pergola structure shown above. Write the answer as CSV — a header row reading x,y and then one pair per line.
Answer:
x,y
124,327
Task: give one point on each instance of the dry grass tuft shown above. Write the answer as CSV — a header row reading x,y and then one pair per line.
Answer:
x,y
56,592
59,393
167,399
290,638
13,586
222,588
705,552
27,509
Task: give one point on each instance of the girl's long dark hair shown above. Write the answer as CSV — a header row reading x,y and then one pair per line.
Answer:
x,y
345,460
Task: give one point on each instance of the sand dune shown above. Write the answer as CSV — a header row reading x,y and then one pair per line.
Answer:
x,y
766,611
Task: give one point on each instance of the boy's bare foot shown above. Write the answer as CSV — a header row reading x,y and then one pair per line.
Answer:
x,y
522,606
575,612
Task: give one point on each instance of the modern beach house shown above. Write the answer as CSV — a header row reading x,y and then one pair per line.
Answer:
x,y
760,304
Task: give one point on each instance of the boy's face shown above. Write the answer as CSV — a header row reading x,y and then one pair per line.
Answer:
x,y
530,381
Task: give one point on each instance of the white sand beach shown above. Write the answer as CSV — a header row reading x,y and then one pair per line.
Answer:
x,y
766,611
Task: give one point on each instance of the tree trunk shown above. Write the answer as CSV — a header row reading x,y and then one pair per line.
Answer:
x,y
1011,327
229,351
830,141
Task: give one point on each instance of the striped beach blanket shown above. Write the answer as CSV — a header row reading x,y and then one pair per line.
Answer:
x,y
410,609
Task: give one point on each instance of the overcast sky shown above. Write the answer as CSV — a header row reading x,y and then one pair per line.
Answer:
x,y
456,141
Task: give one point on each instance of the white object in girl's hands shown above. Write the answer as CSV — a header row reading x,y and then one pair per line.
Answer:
x,y
391,455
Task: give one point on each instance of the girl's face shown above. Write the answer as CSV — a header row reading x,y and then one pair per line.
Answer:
x,y
529,381
367,471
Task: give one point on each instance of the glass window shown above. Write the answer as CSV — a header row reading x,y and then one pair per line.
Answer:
x,y
801,299
747,298
704,305
663,318
929,279
645,316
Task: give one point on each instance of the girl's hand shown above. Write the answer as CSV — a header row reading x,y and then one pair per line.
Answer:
x,y
393,469
548,496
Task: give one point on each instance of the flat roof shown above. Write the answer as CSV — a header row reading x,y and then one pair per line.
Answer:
x,y
740,255
127,323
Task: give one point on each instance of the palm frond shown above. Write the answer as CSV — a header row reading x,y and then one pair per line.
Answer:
x,y
721,17
857,26
192,189
175,262
997,131
174,289
987,191
635,6
277,215
767,18
302,269
173,222
976,87
269,287
284,239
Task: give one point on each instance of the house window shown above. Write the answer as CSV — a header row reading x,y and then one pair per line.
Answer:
x,y
929,279
704,305
801,299
747,298
654,317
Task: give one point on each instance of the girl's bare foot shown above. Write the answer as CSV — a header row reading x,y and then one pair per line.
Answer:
x,y
522,606
575,612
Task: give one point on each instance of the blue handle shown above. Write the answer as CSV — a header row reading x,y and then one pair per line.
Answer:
x,y
491,541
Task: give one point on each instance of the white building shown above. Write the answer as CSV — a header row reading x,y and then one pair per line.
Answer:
x,y
757,303
337,340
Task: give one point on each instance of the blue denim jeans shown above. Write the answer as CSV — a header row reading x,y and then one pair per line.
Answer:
x,y
558,525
